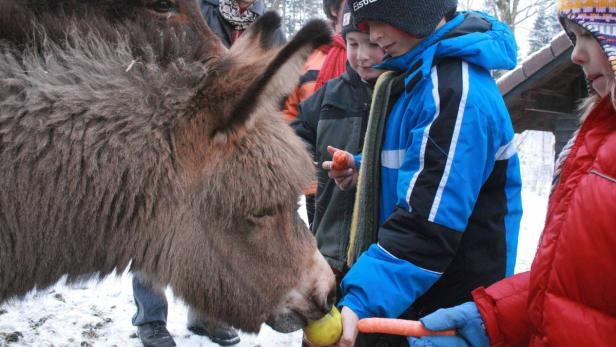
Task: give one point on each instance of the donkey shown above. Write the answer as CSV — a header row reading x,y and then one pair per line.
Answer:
x,y
130,135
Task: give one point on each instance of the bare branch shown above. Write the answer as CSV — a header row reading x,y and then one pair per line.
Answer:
x,y
526,16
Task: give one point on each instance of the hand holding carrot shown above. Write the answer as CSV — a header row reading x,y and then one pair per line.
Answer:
x,y
341,168
465,319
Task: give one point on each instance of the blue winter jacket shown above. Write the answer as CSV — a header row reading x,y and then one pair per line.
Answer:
x,y
450,203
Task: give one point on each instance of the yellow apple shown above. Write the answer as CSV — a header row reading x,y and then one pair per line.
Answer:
x,y
325,331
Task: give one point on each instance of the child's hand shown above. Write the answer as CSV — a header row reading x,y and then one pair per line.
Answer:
x,y
349,328
342,169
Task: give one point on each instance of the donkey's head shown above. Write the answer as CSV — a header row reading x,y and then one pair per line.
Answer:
x,y
245,171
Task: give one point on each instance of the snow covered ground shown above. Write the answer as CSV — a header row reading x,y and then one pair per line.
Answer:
x,y
536,152
99,314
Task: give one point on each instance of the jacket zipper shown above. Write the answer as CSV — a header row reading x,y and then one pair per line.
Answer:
x,y
612,179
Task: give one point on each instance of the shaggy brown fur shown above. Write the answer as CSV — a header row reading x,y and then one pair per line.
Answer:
x,y
128,133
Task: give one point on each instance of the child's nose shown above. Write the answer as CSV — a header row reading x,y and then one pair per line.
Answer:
x,y
578,56
361,54
375,35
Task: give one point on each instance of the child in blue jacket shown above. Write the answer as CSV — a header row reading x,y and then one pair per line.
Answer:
x,y
450,187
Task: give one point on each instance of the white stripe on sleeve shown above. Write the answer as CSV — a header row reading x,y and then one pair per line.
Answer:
x,y
424,141
454,142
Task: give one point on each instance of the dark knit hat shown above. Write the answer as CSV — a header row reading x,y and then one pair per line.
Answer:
x,y
418,18
348,22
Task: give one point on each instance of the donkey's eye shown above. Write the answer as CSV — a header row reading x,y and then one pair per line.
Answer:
x,y
260,217
268,212
164,6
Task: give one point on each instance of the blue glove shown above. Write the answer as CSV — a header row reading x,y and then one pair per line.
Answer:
x,y
464,318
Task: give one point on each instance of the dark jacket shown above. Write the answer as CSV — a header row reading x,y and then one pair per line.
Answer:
x,y
335,115
211,13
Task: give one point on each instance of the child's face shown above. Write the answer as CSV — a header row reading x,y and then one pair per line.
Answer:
x,y
394,41
363,54
590,56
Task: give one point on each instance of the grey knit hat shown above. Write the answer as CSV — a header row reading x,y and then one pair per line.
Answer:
x,y
348,22
418,18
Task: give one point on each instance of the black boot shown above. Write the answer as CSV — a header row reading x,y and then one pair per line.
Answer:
x,y
218,332
155,334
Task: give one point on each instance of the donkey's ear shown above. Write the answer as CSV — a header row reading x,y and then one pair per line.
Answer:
x,y
263,35
279,76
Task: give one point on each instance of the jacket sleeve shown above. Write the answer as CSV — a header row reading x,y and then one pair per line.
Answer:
x,y
503,307
305,125
381,285
302,91
305,87
448,158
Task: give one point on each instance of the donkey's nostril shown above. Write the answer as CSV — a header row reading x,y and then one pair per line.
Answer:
x,y
331,299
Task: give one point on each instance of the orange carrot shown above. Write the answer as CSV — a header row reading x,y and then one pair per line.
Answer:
x,y
401,327
340,161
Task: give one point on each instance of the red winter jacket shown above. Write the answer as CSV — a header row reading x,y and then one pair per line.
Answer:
x,y
569,296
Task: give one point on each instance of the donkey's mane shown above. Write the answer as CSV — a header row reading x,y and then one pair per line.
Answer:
x,y
30,25
88,87
90,72
80,109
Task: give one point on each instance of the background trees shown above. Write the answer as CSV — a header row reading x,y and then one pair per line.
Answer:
x,y
538,17
545,26
296,12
